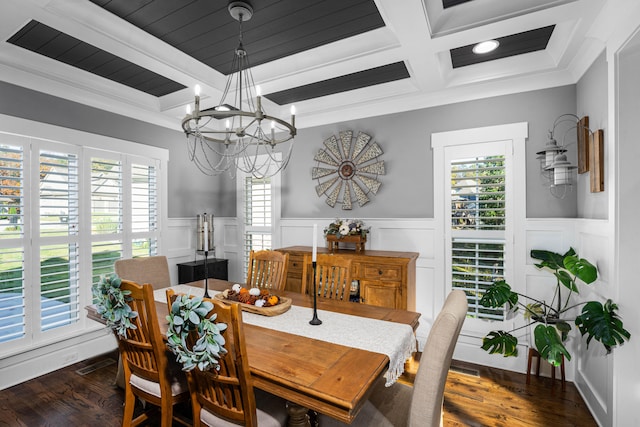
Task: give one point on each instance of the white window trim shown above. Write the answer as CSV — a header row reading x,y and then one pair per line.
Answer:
x,y
515,135
85,142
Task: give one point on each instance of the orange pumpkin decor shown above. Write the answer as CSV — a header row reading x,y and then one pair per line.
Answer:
x,y
243,295
273,300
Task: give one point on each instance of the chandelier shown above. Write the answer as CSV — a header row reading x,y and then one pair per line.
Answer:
x,y
231,136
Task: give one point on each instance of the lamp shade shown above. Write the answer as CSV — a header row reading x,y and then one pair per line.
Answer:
x,y
562,170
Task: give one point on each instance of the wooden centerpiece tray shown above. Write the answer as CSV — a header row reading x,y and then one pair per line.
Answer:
x,y
274,310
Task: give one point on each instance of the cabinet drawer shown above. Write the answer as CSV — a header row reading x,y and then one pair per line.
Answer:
x,y
295,264
381,272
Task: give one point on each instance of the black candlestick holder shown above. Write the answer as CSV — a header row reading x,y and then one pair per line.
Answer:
x,y
315,320
206,275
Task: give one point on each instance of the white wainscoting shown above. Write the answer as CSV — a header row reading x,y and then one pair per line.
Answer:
x,y
181,244
593,367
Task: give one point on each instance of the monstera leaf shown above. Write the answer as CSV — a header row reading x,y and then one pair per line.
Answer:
x,y
551,260
581,268
549,344
500,342
498,295
602,323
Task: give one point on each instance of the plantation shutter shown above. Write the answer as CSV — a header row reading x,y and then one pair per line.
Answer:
x,y
106,215
59,219
12,268
478,221
144,210
258,215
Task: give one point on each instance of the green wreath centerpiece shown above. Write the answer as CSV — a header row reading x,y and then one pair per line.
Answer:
x,y
188,314
112,304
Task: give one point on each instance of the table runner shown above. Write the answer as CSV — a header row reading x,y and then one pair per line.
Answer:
x,y
396,340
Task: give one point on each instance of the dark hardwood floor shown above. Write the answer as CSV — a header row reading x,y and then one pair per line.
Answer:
x,y
492,397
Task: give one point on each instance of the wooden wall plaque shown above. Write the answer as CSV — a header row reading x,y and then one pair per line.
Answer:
x,y
596,161
583,144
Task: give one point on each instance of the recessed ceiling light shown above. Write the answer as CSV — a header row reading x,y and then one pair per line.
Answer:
x,y
486,46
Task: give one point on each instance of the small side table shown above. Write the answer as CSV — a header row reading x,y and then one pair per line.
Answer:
x,y
534,353
217,268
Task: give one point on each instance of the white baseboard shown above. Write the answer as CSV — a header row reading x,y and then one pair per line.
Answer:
x,y
42,360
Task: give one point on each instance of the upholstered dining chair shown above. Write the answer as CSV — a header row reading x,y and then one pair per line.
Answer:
x,y
152,269
333,276
227,397
267,269
150,372
421,405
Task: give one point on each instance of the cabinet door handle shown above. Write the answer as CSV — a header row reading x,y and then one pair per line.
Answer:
x,y
380,272
295,264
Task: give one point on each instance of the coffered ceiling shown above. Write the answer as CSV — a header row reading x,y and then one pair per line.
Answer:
x,y
335,59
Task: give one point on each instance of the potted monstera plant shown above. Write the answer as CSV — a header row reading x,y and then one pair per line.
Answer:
x,y
553,319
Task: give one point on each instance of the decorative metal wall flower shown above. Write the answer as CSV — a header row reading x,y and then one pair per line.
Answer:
x,y
347,170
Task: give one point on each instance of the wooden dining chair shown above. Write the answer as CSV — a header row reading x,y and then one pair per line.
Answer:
x,y
267,269
420,405
227,397
333,276
153,270
150,373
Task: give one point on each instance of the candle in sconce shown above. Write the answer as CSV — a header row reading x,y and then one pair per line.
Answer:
x,y
314,252
206,235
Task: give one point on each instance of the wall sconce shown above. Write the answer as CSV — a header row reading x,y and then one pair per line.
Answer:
x,y
554,166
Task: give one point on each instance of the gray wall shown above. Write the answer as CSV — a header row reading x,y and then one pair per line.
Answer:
x,y
407,189
190,192
591,99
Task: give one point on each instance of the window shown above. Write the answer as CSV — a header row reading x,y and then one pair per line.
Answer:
x,y
260,213
106,215
12,266
67,213
58,244
479,203
477,228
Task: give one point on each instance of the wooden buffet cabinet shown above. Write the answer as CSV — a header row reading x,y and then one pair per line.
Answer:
x,y
386,278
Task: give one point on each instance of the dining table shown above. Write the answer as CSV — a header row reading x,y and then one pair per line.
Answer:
x,y
309,373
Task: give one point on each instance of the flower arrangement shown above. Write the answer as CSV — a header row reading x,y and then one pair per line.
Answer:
x,y
254,296
189,314
346,227
112,304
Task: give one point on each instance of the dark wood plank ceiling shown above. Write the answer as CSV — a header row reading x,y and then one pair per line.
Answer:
x,y
204,29
515,44
383,74
54,44
451,3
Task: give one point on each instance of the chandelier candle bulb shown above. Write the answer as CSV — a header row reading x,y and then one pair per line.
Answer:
x,y
258,99
188,109
273,130
197,101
